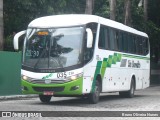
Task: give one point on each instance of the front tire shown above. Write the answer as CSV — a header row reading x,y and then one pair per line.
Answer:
x,y
94,96
130,93
45,98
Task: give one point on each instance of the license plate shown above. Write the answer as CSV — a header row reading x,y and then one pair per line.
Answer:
x,y
48,93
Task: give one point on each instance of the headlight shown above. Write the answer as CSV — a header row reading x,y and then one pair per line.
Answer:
x,y
24,77
75,76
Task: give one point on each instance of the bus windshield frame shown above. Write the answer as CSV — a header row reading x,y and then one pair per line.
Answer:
x,y
53,48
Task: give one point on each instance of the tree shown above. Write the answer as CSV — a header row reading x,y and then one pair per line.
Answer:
x,y
19,13
145,10
89,7
1,24
112,9
144,3
127,20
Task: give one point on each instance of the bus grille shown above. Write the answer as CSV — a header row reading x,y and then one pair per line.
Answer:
x,y
51,81
54,89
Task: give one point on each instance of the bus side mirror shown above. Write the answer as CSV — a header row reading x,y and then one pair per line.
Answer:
x,y
89,38
16,39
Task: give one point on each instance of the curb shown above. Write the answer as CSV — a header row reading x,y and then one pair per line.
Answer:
x,y
17,97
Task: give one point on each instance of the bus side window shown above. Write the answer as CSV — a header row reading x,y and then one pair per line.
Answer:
x,y
138,45
116,40
139,40
106,32
112,38
104,38
141,45
134,42
145,46
120,42
125,42
101,43
88,52
130,42
133,45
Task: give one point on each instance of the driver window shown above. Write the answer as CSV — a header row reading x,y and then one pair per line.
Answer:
x,y
88,52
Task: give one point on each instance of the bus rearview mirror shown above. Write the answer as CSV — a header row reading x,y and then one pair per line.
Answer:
x,y
16,39
89,37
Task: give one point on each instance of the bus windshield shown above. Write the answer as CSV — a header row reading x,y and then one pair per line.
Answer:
x,y
53,48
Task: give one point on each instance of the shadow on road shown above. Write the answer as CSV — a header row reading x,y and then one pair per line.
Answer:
x,y
84,101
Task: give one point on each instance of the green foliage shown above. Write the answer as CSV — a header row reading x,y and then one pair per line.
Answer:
x,y
154,33
120,11
101,8
19,13
137,16
8,45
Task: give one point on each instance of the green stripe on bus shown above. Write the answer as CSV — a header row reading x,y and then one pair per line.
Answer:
x,y
108,62
97,71
102,66
137,57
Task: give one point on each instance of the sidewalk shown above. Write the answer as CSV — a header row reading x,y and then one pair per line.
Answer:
x,y
10,97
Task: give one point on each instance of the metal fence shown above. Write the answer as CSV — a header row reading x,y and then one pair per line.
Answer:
x,y
10,73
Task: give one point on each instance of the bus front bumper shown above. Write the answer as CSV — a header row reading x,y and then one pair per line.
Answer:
x,y
73,87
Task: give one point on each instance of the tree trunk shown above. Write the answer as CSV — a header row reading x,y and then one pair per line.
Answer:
x,y
112,9
89,7
145,10
140,3
1,24
127,20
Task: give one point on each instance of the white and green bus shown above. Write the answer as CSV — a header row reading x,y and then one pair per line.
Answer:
x,y
83,55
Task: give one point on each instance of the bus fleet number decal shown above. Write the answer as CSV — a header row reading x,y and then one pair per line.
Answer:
x,y
62,75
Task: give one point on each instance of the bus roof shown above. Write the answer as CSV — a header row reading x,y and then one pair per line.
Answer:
x,y
80,19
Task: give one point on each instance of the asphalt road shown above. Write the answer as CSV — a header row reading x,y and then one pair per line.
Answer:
x,y
144,100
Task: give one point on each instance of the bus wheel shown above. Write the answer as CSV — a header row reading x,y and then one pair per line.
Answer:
x,y
130,93
94,96
45,98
